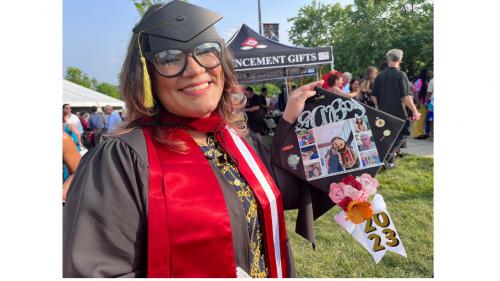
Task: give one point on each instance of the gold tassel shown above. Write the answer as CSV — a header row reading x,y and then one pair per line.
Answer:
x,y
148,95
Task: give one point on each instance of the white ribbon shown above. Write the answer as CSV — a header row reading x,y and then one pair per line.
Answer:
x,y
380,235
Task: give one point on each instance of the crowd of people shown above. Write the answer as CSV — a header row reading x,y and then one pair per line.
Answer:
x,y
83,131
260,107
391,91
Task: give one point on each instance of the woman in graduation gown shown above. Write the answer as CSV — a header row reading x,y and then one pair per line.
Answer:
x,y
184,190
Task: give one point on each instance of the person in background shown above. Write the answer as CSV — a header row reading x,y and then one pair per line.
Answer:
x,y
430,106
346,84
96,123
266,99
354,85
71,130
83,121
392,89
367,83
271,101
72,118
420,90
71,158
282,99
335,82
255,110
114,119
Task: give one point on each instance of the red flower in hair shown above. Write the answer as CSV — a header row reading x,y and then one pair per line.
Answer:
x,y
351,180
345,203
328,74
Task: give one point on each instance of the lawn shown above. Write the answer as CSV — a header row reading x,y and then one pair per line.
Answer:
x,y
408,192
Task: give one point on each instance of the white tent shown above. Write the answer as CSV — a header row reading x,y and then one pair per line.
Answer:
x,y
79,96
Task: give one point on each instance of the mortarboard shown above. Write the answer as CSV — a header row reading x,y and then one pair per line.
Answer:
x,y
325,144
176,25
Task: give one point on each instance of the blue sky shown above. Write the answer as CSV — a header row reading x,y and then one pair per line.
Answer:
x,y
96,32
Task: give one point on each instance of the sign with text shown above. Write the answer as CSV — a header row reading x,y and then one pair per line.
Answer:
x,y
271,31
283,58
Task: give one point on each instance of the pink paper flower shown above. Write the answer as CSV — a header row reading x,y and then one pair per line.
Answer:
x,y
361,197
336,192
369,184
350,191
351,180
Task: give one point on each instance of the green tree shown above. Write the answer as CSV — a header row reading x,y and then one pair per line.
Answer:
x,y
272,89
93,83
318,24
362,33
77,76
143,5
109,90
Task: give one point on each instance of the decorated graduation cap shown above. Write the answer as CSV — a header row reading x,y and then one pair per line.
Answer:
x,y
329,140
338,145
175,26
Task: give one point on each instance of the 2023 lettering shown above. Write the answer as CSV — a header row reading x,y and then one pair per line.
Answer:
x,y
334,112
381,219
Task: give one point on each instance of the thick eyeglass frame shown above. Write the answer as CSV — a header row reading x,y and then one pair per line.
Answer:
x,y
187,52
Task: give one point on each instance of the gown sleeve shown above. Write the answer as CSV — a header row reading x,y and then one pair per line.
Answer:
x,y
104,219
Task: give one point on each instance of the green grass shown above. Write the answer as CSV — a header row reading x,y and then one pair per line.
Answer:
x,y
408,193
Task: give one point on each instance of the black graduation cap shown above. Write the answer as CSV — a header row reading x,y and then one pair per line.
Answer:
x,y
328,118
178,25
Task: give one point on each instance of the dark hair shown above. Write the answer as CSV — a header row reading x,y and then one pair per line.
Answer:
x,y
249,89
132,81
264,89
93,109
352,82
332,79
335,138
423,76
64,105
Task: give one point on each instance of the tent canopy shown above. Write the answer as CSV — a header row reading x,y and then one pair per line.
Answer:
x,y
79,96
252,51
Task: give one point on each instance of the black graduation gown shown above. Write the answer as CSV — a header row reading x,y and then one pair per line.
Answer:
x,y
105,216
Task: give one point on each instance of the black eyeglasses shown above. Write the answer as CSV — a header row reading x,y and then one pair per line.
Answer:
x,y
171,63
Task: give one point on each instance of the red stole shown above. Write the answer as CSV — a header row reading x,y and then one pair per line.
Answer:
x,y
189,232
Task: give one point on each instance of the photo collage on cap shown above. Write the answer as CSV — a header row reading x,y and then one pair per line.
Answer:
x,y
338,148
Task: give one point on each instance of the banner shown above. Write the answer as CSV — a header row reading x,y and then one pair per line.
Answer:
x,y
283,58
377,234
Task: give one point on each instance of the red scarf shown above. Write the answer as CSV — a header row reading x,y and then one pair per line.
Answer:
x,y
189,232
